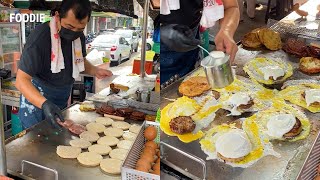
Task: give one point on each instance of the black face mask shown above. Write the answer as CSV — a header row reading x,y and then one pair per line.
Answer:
x,y
69,34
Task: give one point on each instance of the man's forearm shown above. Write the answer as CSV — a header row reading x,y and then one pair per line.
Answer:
x,y
89,68
30,92
230,21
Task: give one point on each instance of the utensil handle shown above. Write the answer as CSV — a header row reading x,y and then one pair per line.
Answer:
x,y
118,118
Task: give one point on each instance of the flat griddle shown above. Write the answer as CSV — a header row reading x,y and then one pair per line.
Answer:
x,y
38,145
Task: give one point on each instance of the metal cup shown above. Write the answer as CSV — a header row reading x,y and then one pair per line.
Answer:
x,y
218,71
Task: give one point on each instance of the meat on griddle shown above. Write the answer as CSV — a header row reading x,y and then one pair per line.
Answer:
x,y
313,52
296,47
137,116
182,125
77,129
67,123
295,131
299,48
106,109
246,106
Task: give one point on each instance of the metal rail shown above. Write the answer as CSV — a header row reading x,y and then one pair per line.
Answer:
x,y
3,158
144,38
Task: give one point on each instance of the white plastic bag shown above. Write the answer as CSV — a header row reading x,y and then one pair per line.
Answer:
x,y
95,57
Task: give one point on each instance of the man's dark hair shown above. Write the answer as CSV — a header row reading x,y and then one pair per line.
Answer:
x,y
80,8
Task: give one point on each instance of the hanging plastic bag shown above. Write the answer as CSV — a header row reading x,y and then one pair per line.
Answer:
x,y
95,57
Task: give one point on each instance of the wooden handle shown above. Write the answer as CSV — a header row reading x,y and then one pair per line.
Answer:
x,y
118,118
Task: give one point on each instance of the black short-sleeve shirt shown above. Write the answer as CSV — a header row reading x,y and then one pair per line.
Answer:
x,y
189,14
36,58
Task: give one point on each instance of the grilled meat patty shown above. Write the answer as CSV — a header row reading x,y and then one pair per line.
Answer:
x,y
182,125
295,131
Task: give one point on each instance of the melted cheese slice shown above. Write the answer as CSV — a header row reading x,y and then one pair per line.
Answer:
x,y
272,71
233,144
280,124
312,95
236,100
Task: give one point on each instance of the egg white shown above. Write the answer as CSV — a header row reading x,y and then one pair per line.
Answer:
x,y
281,107
260,145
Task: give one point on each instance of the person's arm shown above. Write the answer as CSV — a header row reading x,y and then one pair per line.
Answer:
x,y
24,85
95,71
89,68
228,25
231,18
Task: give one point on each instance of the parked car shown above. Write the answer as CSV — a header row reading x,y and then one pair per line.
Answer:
x,y
106,31
137,29
131,36
115,47
120,27
149,44
90,37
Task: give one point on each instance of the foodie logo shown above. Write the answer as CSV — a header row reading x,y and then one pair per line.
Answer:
x,y
17,17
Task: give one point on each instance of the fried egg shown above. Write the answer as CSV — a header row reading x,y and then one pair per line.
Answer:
x,y
236,100
294,94
247,143
234,144
280,119
270,68
184,106
312,96
280,124
272,71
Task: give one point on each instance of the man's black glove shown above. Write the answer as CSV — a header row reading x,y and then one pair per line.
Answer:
x,y
52,112
179,38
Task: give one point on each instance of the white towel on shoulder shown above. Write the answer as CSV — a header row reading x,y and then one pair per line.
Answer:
x,y
168,5
57,59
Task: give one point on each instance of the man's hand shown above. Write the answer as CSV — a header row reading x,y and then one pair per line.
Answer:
x,y
52,112
224,42
102,73
178,38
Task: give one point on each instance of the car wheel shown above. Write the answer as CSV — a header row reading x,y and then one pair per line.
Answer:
x,y
136,49
119,60
148,48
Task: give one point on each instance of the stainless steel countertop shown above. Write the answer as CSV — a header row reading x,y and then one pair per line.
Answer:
x,y
39,144
286,167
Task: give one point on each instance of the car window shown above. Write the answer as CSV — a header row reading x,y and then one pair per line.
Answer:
x,y
125,34
134,34
121,41
105,39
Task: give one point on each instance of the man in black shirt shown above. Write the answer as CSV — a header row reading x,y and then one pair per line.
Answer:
x,y
44,93
180,36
